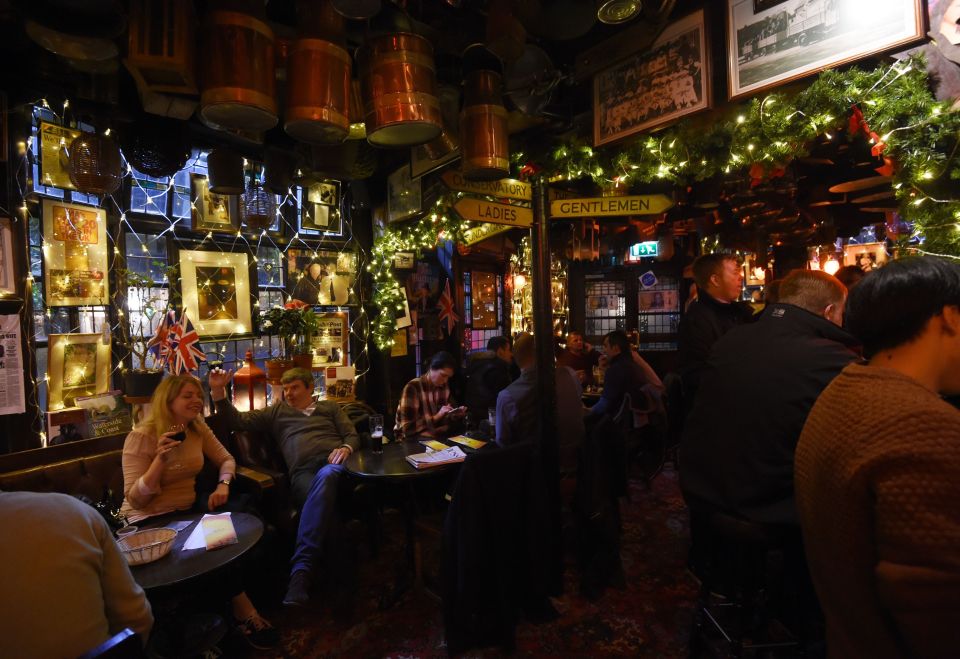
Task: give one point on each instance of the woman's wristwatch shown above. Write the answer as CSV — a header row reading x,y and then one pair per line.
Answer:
x,y
225,481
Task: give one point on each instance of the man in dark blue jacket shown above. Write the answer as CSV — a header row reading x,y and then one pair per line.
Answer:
x,y
624,375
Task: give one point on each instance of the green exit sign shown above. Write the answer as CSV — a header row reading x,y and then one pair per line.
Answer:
x,y
641,250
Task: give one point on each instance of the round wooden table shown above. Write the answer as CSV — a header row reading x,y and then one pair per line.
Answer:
x,y
180,566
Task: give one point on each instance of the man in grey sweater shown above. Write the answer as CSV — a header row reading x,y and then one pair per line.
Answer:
x,y
314,438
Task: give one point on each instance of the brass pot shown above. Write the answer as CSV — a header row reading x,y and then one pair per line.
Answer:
x,y
318,95
483,128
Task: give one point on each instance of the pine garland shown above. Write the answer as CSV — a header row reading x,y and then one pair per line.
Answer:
x,y
892,105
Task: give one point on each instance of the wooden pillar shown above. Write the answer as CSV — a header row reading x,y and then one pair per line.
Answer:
x,y
543,332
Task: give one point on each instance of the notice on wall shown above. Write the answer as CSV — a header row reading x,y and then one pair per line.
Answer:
x,y
12,399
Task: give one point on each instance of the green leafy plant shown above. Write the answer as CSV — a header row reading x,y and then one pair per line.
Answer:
x,y
295,323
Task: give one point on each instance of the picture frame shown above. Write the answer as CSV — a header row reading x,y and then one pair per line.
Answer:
x,y
751,271
403,195
764,37
422,164
8,284
210,211
665,300
216,291
78,365
404,260
321,277
654,87
330,344
75,255
404,320
321,218
326,193
55,141
399,347
866,256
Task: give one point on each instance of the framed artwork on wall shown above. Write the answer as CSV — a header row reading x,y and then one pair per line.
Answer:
x,y
403,195
866,256
210,211
7,284
322,218
655,87
79,365
321,277
771,42
216,291
55,141
75,254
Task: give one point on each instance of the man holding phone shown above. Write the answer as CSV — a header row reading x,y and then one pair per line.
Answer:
x,y
426,410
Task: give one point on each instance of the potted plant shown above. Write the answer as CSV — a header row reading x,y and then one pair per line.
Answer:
x,y
294,323
139,290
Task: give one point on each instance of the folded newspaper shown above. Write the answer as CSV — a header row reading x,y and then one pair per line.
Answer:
x,y
435,458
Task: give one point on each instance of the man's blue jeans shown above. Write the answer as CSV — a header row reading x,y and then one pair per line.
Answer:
x,y
319,516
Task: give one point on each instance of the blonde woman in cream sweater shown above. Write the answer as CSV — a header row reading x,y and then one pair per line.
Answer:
x,y
161,459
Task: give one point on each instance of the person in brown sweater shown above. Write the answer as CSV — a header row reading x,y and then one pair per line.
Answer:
x,y
877,471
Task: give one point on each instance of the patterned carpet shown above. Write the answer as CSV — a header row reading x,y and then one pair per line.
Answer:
x,y
650,617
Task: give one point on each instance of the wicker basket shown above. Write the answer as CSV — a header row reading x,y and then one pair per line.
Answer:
x,y
257,207
95,165
147,546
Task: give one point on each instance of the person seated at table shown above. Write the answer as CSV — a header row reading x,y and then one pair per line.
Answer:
x,y
315,437
66,586
580,357
160,472
627,373
517,416
488,373
425,408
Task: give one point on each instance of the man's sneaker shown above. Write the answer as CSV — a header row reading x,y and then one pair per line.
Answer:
x,y
258,632
298,590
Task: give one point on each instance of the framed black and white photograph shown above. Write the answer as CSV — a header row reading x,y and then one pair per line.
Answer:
x,y
326,193
403,195
321,218
211,211
659,85
772,42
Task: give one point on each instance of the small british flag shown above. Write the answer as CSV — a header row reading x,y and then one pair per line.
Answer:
x,y
185,354
159,343
446,309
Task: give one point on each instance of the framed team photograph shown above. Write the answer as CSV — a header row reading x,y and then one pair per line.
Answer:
x,y
659,85
772,42
216,291
75,255
403,195
210,211
79,365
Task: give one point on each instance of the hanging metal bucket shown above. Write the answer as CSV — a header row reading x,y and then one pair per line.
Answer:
x,y
483,128
225,172
399,91
318,96
239,84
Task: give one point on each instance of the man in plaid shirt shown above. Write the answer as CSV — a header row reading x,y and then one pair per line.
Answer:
x,y
425,409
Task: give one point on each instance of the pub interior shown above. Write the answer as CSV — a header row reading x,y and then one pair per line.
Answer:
x,y
442,327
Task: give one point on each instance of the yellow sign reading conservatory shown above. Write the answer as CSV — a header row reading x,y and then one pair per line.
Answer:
x,y
610,206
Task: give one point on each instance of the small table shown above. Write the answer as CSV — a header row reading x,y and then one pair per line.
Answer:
x,y
391,466
178,566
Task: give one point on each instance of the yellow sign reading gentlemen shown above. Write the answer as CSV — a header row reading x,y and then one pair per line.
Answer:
x,y
610,206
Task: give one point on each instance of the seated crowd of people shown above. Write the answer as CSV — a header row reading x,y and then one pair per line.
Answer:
x,y
820,419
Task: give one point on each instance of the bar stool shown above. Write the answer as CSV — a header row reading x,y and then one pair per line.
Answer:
x,y
735,588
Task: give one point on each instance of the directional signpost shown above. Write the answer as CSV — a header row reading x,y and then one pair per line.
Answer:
x,y
610,206
507,188
475,210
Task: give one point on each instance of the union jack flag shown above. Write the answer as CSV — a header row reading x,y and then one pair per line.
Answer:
x,y
446,309
159,343
184,351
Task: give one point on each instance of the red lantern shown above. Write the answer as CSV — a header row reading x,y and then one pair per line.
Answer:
x,y
249,386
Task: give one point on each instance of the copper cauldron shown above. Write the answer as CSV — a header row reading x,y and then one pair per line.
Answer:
x,y
399,91
318,95
239,85
483,128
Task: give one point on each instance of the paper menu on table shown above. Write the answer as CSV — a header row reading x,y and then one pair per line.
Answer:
x,y
212,532
435,458
469,442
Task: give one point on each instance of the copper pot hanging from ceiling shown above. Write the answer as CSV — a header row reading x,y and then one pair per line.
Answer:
x,y
359,10
398,80
318,96
225,172
505,34
238,77
483,128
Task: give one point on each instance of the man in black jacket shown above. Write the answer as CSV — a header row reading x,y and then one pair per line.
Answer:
x,y
737,449
715,312
488,373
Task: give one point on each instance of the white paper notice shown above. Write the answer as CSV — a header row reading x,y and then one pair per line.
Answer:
x,y
12,399
197,539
